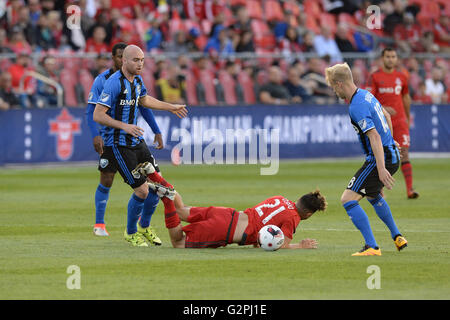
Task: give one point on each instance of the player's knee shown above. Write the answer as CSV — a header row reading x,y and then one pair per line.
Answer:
x,y
142,191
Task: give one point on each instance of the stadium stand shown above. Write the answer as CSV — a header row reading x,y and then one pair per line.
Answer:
x,y
44,31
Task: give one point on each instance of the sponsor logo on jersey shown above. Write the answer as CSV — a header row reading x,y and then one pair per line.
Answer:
x,y
125,102
104,97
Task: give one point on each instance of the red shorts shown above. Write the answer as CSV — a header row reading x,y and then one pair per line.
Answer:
x,y
210,227
401,133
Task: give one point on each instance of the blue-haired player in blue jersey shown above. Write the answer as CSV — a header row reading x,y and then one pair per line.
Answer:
x,y
107,172
373,126
124,146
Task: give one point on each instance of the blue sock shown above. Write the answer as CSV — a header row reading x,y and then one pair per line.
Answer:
x,y
361,221
150,205
384,213
135,206
101,198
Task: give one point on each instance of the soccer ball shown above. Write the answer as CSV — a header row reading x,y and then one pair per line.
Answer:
x,y
270,238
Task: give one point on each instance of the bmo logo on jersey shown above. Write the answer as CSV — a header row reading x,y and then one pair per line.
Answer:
x,y
125,102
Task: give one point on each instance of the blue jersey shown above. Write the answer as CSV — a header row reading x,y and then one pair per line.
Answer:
x,y
121,97
366,113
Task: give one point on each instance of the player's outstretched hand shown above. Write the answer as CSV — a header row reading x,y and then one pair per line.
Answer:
x,y
386,178
180,110
98,144
158,141
308,244
134,130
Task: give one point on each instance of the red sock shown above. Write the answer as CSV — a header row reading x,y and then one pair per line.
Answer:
x,y
407,173
170,213
156,177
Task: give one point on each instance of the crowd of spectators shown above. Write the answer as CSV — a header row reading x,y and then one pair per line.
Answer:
x,y
203,39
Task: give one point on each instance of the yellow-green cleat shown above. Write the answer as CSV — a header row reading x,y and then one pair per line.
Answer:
x,y
150,234
136,239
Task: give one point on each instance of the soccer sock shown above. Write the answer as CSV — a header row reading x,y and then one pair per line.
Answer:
x,y
361,221
170,213
384,213
135,206
407,173
156,177
101,198
150,204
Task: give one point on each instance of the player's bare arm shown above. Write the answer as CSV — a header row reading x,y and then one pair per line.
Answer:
x,y
407,105
303,244
158,141
153,103
98,144
378,151
100,116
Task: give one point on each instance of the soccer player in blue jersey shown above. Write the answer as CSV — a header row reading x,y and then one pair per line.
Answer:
x,y
374,129
124,147
108,171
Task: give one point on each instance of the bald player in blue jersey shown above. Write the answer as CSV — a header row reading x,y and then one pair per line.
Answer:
x,y
124,146
374,129
107,172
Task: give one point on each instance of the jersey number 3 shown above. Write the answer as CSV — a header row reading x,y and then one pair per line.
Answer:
x,y
271,206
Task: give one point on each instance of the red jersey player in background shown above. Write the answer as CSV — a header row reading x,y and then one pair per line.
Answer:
x,y
390,87
212,227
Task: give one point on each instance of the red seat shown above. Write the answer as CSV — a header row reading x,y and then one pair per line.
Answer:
x,y
86,80
191,91
254,9
311,24
328,19
229,87
207,80
273,11
149,82
312,8
246,83
263,36
292,6
237,2
347,18
68,81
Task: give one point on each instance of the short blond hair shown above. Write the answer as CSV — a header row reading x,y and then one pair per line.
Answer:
x,y
338,73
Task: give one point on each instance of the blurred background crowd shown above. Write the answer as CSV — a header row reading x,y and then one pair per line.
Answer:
x,y
219,52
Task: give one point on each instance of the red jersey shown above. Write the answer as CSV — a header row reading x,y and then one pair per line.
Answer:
x,y
276,210
389,89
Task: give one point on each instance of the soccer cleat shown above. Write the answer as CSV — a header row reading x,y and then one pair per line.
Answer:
x,y
412,194
136,239
162,191
367,251
150,234
143,169
400,242
100,230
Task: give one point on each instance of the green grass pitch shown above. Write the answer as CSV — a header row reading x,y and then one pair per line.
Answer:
x,y
47,215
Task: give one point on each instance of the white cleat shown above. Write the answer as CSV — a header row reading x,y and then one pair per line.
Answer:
x,y
162,191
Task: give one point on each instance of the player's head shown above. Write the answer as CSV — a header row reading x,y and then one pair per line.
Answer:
x,y
133,59
339,77
310,203
117,53
389,56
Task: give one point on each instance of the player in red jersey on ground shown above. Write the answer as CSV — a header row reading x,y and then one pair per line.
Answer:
x,y
212,227
390,87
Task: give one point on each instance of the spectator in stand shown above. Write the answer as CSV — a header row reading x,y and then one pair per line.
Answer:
x,y
179,43
293,84
324,44
18,43
407,34
245,43
4,47
160,68
153,37
213,8
97,42
143,9
35,11
290,42
364,40
103,20
358,77
171,89
395,18
243,21
25,25
200,63
220,42
341,38
47,93
322,93
17,72
44,35
101,64
55,25
434,87
273,92
194,10
421,96
427,44
308,42
302,29
441,31
8,99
